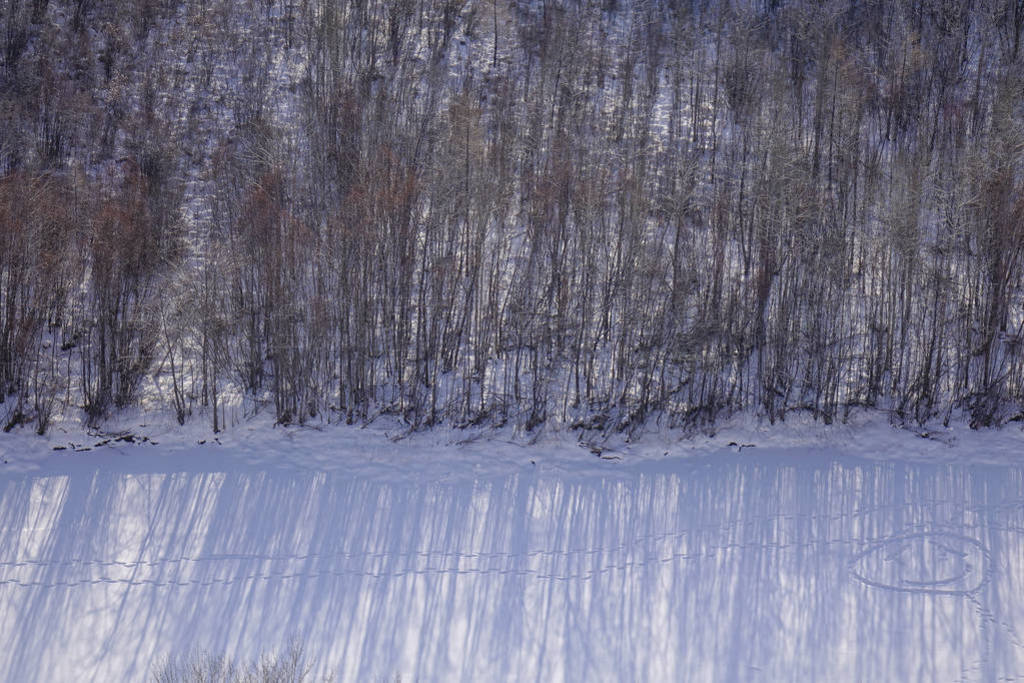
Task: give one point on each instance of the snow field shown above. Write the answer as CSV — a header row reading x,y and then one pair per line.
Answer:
x,y
496,560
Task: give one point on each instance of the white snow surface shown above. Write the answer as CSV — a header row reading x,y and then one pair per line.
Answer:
x,y
796,552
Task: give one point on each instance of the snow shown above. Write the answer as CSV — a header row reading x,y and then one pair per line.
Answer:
x,y
793,552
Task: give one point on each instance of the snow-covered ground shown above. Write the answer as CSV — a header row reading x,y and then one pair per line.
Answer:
x,y
857,552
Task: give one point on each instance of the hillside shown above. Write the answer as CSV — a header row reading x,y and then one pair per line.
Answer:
x,y
492,212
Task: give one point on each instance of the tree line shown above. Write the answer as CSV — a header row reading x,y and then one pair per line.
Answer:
x,y
593,214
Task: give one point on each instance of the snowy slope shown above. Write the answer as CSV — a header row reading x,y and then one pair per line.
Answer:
x,y
812,554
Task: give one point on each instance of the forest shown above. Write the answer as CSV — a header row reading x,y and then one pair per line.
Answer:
x,y
592,215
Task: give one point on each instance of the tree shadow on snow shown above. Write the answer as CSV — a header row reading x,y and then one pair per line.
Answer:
x,y
732,569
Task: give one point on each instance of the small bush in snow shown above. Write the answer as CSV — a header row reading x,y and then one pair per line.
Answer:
x,y
289,666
